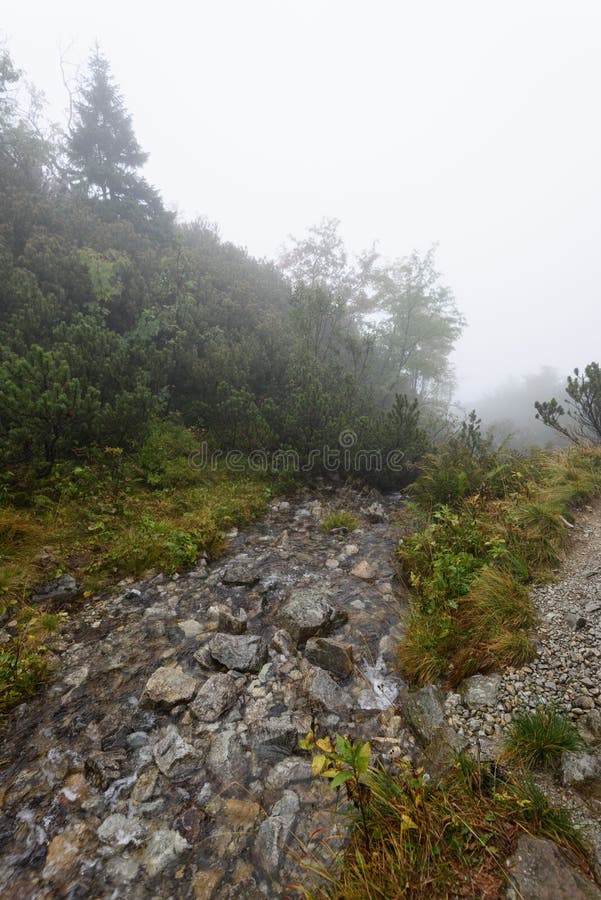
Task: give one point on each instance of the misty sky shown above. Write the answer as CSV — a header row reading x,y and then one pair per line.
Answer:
x,y
474,125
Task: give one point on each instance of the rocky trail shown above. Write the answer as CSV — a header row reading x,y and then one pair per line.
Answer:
x,y
162,758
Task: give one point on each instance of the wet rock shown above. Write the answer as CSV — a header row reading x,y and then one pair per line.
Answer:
x,y
226,759
241,573
103,768
173,755
63,853
121,869
282,643
168,687
274,738
321,687
480,690
308,613
226,621
74,790
287,771
205,882
582,771
244,652
119,831
76,677
330,655
364,570
276,830
137,739
163,848
144,786
375,513
58,590
539,871
216,696
191,628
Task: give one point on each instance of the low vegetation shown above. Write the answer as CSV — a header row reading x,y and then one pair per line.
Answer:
x,y
109,516
340,520
537,739
412,837
488,524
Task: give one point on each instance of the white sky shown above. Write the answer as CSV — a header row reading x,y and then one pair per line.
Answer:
x,y
473,124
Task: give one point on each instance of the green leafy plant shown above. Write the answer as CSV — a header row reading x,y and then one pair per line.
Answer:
x,y
346,763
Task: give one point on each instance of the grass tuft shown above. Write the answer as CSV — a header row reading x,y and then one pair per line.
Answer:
x,y
538,739
339,519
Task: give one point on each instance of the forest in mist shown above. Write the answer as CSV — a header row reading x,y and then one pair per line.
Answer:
x,y
116,316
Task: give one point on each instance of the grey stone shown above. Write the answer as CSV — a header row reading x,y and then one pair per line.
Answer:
x,y
321,687
216,696
163,848
276,830
119,831
63,588
282,643
330,655
480,690
168,687
173,755
582,771
121,868
274,738
308,612
226,759
539,871
191,628
244,652
137,739
225,619
287,771
424,711
240,573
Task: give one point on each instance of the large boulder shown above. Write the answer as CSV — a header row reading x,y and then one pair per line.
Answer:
x,y
168,687
307,612
242,652
538,870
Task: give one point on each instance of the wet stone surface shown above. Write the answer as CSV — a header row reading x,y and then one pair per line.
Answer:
x,y
162,758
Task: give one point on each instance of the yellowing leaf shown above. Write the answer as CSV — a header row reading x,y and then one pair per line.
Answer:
x,y
325,744
318,764
406,822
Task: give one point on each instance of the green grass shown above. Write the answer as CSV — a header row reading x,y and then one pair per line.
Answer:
x,y
341,518
538,739
442,839
468,565
100,520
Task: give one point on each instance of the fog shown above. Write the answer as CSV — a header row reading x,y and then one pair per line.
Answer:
x,y
473,126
